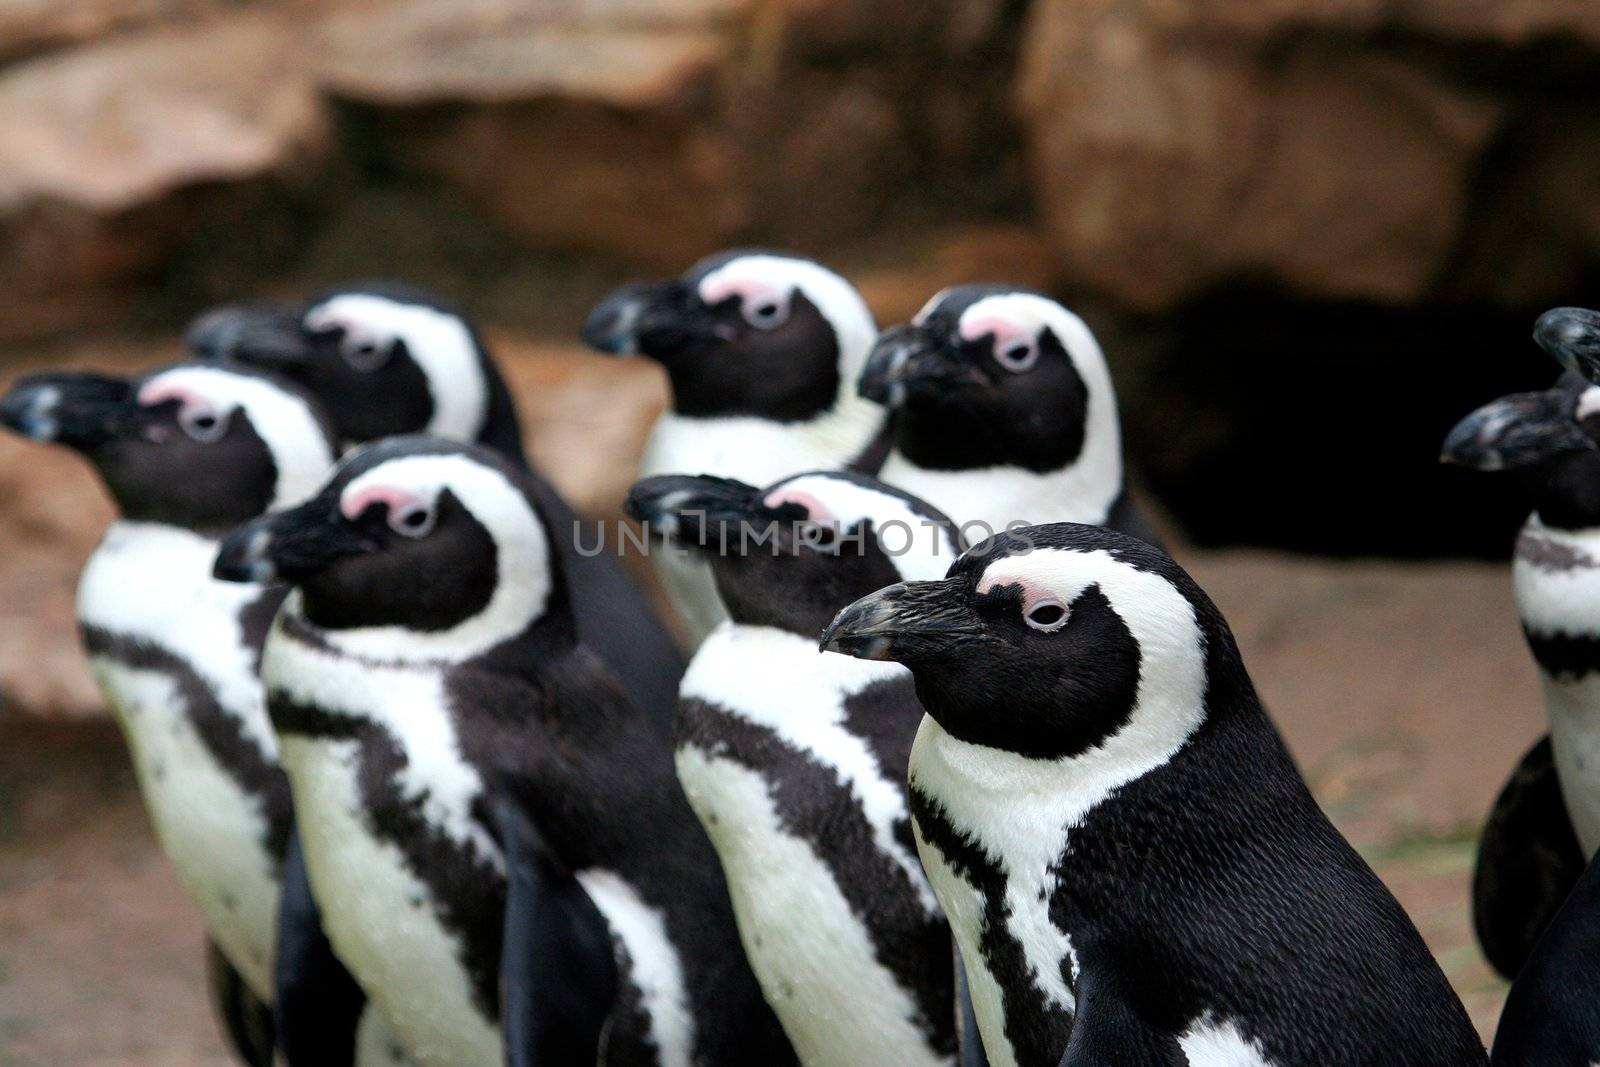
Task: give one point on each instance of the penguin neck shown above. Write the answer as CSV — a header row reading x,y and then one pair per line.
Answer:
x,y
759,450
978,473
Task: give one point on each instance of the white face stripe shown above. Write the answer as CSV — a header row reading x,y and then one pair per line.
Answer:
x,y
919,552
439,342
523,585
834,297
299,448
931,306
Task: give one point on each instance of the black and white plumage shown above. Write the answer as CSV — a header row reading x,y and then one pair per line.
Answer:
x,y
1130,861
442,728
1546,822
795,759
386,359
187,453
762,351
1003,412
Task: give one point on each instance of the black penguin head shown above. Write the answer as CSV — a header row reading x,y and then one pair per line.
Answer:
x,y
792,554
194,445
416,548
1572,336
383,358
762,334
991,375
1547,441
1053,640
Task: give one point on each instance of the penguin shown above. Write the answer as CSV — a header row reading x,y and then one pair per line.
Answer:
x,y
188,452
762,351
466,776
386,358
1003,413
1133,868
1552,1013
1545,824
1572,336
795,759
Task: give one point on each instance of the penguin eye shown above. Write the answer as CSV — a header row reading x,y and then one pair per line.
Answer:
x,y
364,354
1047,615
1017,356
203,424
413,520
765,312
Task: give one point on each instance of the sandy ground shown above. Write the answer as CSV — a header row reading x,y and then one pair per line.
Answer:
x,y
1403,689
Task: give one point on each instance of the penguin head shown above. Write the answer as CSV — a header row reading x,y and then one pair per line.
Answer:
x,y
1050,640
383,358
992,374
1572,336
193,445
792,554
1546,439
417,547
762,334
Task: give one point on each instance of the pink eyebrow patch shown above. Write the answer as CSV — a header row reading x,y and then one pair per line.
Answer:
x,y
816,510
354,504
157,392
1030,591
715,290
1005,331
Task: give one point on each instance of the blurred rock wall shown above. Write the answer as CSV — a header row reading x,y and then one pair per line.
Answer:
x,y
1311,231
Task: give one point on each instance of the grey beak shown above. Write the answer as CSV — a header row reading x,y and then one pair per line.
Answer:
x,y
1572,336
905,622
1521,430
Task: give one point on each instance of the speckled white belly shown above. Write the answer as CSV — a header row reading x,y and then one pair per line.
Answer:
x,y
815,961
384,928
213,832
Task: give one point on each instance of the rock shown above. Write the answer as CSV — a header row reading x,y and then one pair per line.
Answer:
x,y
112,154
1165,165
31,26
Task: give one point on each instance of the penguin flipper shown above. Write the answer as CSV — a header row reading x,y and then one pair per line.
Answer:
x,y
1528,861
969,1042
245,1018
319,1004
1106,1030
558,970
1552,1014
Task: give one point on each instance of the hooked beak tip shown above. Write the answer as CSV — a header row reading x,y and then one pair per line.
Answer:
x,y
31,412
245,559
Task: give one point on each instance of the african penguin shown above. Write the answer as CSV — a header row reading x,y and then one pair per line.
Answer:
x,y
1552,1013
762,351
442,730
795,759
188,452
1546,822
1003,413
1132,865
387,358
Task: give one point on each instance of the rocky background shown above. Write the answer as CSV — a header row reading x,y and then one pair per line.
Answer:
x,y
1311,234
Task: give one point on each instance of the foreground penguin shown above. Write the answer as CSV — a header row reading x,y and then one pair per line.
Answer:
x,y
386,359
444,733
795,759
762,351
1130,861
1546,822
1004,412
188,452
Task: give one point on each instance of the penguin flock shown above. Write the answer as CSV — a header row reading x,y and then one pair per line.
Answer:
x,y
939,760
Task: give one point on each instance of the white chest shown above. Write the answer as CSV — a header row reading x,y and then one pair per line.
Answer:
x,y
378,914
992,499
212,831
758,451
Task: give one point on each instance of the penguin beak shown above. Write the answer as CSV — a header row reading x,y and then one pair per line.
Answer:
x,y
78,410
289,545
905,623
1517,431
1572,335
906,357
648,318
697,510
263,336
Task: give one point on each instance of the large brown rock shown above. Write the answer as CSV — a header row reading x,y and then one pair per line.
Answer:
x,y
110,155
